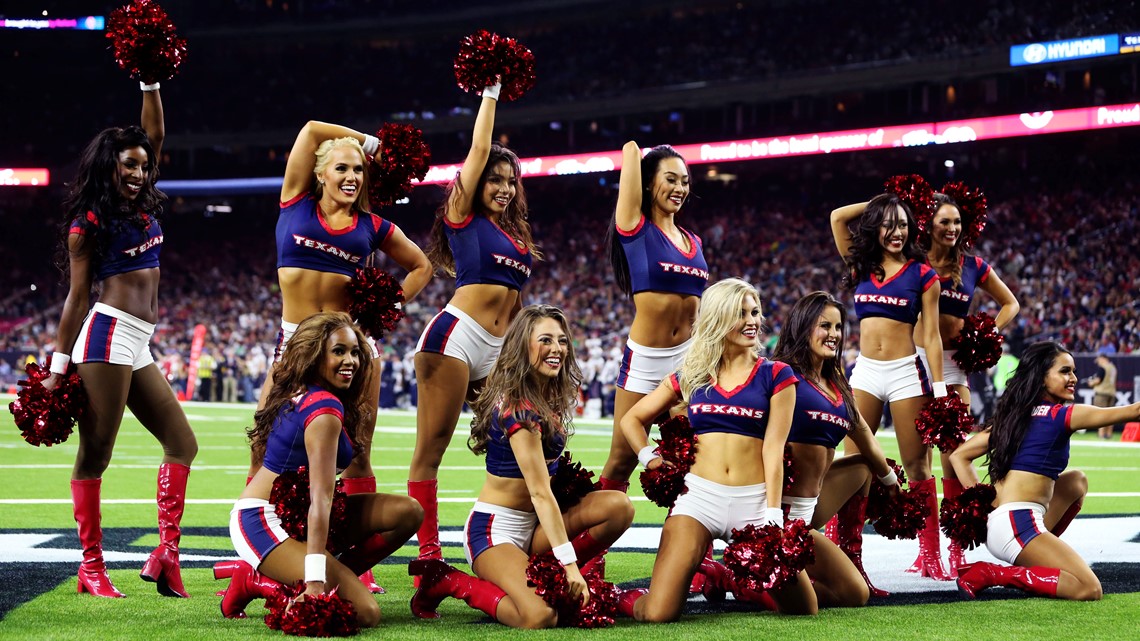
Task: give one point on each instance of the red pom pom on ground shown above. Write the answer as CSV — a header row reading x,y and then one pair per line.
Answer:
x,y
916,193
677,445
903,517
486,58
978,344
571,482
375,301
945,422
322,615
965,518
404,157
767,557
972,205
548,578
291,497
48,417
144,41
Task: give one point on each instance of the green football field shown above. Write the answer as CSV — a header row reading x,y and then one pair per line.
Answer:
x,y
39,551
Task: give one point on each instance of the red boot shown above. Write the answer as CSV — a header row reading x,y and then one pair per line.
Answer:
x,y
363,556
224,570
426,493
955,557
439,580
246,584
92,571
976,577
1066,518
718,580
364,485
848,534
596,564
929,561
162,565
628,598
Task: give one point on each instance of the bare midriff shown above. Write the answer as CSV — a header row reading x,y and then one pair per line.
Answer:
x,y
812,462
729,459
663,320
135,293
305,292
489,305
883,339
1020,486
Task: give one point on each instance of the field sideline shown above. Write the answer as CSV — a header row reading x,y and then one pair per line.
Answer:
x,y
39,550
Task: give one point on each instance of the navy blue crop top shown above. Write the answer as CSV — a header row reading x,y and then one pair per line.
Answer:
x,y
130,249
818,420
658,265
1045,448
485,254
501,459
955,301
285,448
743,409
898,297
305,240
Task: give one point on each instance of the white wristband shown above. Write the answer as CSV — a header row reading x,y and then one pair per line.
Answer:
x,y
492,91
151,87
939,389
59,362
646,455
889,479
565,553
314,568
774,515
371,145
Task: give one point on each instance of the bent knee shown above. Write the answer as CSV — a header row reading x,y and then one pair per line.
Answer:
x,y
367,613
658,613
538,619
1089,591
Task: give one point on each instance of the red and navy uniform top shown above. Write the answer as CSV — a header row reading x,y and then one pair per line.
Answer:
x,y
501,459
485,254
305,240
1045,448
898,297
658,265
955,301
742,410
818,420
130,248
285,448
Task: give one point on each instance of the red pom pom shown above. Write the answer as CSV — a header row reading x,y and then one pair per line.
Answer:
x,y
978,344
880,502
404,157
767,557
677,445
571,482
916,193
322,615
972,205
144,41
290,495
965,517
904,516
376,301
486,58
48,417
548,578
945,422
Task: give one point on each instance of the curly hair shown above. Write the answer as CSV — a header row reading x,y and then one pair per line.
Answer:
x,y
95,189
1023,392
300,367
794,344
866,255
720,310
513,221
323,158
513,382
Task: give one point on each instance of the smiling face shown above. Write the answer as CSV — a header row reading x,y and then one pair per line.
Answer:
x,y
946,228
547,346
341,359
670,187
343,177
827,336
499,188
746,332
893,231
1061,379
132,170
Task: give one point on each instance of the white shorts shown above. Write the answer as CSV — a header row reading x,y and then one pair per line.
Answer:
x,y
799,507
255,530
453,333
287,331
891,381
109,335
489,525
643,368
951,373
721,508
1011,527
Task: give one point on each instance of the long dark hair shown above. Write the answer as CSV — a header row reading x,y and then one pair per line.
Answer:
x,y
866,255
649,164
94,189
1023,392
955,254
300,367
794,345
513,221
513,384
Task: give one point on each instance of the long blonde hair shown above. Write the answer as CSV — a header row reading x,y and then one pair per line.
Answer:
x,y
720,311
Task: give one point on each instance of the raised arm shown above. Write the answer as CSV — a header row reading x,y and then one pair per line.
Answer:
x,y
962,459
75,306
321,439
628,212
463,197
840,219
930,331
409,256
1087,417
303,158
782,406
1000,292
153,122
635,424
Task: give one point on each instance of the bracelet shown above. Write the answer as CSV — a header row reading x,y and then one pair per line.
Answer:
x,y
565,553
371,145
774,515
59,363
646,455
492,91
889,479
939,389
151,87
314,568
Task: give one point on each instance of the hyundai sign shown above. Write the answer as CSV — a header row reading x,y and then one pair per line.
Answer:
x,y
1061,50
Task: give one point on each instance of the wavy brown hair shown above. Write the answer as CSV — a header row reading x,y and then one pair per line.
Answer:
x,y
514,382
794,345
300,367
954,256
866,255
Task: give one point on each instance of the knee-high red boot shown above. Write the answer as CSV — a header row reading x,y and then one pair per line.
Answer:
x,y
718,580
92,571
162,566
364,485
363,556
596,563
955,557
439,580
628,598
976,577
848,535
246,584
1067,518
426,493
929,561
